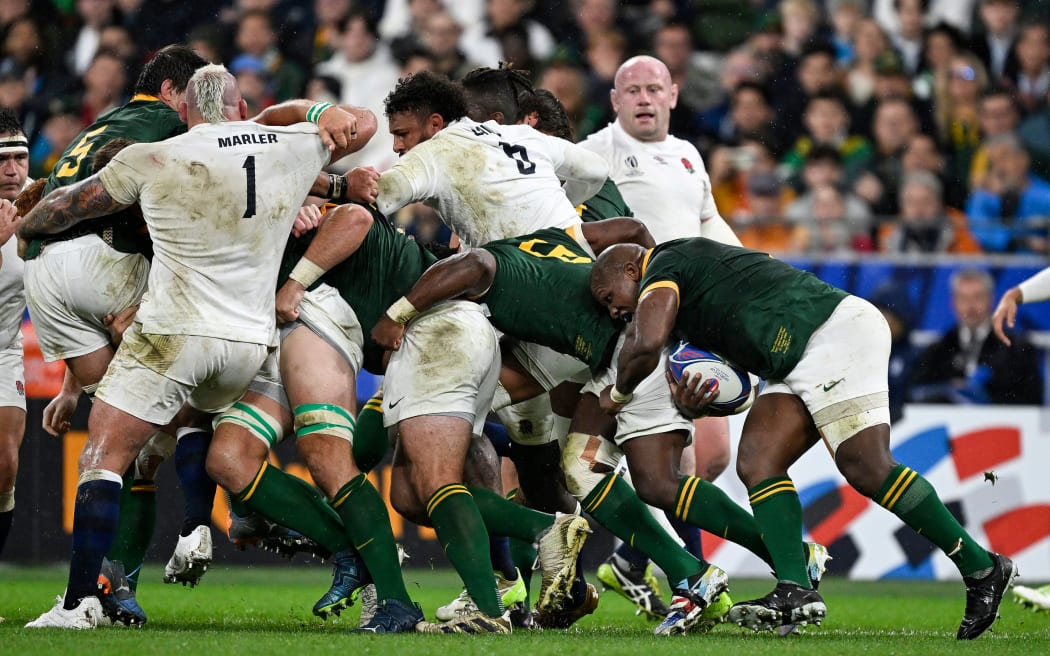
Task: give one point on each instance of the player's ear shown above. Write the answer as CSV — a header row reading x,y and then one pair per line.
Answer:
x,y
674,95
436,122
498,117
530,119
615,100
184,111
242,108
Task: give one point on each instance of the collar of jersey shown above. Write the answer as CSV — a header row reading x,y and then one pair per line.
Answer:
x,y
144,97
645,260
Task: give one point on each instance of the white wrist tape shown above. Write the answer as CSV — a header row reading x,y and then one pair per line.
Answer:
x,y
402,311
306,273
619,397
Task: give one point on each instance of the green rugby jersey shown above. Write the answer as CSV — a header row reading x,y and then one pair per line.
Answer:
x,y
608,203
541,293
380,271
755,310
144,119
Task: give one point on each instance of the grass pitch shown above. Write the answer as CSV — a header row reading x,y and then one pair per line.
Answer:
x,y
250,611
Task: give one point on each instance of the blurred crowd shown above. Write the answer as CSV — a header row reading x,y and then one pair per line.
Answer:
x,y
827,126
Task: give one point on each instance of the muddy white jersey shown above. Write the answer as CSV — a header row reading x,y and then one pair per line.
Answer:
x,y
491,181
219,201
12,296
665,183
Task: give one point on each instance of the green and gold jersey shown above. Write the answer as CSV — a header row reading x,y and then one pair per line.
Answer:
x,y
541,293
144,119
752,309
608,203
379,272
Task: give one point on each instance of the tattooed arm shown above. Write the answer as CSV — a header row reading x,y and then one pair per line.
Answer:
x,y
67,206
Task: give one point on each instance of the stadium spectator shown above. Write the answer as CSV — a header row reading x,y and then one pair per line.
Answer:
x,y
907,38
925,225
508,34
1010,213
1032,78
104,84
254,82
440,35
800,20
968,364
403,43
994,44
366,72
92,16
827,123
256,37
568,84
763,226
60,128
604,53
815,74
869,42
997,114
730,169
698,87
957,113
824,167
1035,135
892,81
750,114
941,44
327,16
827,232
958,13
894,125
739,66
844,17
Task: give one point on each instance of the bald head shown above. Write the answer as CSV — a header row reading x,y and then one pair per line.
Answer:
x,y
212,96
615,277
643,97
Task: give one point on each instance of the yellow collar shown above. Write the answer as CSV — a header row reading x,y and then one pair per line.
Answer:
x,y
645,260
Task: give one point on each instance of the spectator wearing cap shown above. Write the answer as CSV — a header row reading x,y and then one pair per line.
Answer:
x,y
925,225
257,38
763,226
824,167
253,81
1011,212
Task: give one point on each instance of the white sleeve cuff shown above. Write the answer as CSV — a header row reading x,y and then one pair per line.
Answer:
x,y
1036,288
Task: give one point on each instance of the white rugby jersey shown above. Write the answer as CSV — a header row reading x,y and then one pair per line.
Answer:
x,y
491,181
12,296
665,183
219,201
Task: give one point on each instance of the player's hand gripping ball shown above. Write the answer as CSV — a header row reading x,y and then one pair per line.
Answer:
x,y
735,389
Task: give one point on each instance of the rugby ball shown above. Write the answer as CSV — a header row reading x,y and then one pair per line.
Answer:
x,y
735,388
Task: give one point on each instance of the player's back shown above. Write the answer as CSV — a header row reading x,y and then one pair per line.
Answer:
x,y
219,202
491,181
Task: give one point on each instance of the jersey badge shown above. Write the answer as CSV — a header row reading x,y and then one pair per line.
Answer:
x,y
632,167
20,388
688,166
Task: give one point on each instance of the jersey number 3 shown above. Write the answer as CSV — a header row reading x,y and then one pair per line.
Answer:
x,y
249,172
520,157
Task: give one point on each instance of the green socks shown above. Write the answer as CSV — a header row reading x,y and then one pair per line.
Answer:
x,y
461,532
291,502
910,497
138,517
706,506
615,505
778,512
370,437
366,520
509,519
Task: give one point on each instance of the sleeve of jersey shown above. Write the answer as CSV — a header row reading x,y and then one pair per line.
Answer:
x,y
583,172
120,181
407,181
659,277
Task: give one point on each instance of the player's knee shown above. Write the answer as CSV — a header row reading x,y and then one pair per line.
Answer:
x,y
581,465
325,419
406,503
751,470
8,465
656,492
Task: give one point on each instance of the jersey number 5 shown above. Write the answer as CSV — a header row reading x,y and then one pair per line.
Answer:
x,y
520,157
249,172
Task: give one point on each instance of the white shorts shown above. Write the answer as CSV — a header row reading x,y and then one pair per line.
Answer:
x,y
330,317
72,285
529,422
549,367
152,376
12,378
843,372
448,364
651,411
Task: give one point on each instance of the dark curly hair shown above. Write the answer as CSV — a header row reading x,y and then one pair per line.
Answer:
x,y
9,123
491,90
552,117
426,93
176,62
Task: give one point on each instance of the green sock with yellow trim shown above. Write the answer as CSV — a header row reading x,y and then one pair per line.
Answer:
x,y
367,523
522,552
290,501
138,518
615,505
461,532
778,512
370,437
509,519
909,496
706,506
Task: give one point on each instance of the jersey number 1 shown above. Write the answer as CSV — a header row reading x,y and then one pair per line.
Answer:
x,y
249,171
